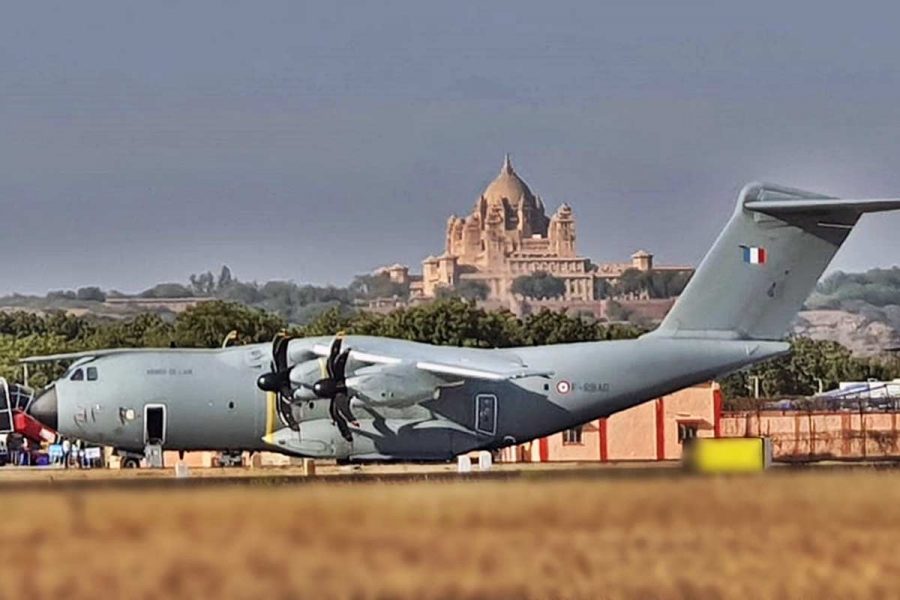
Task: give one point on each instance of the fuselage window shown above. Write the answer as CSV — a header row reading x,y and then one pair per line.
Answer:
x,y
78,375
92,373
486,413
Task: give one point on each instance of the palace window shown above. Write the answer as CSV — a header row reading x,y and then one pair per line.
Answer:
x,y
572,436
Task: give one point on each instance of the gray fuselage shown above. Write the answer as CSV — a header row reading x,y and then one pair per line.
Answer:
x,y
208,399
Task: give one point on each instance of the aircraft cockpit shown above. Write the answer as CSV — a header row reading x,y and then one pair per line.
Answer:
x,y
82,374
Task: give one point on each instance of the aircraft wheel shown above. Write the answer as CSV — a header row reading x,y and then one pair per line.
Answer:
x,y
130,462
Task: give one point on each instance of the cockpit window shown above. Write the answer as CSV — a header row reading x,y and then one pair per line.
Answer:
x,y
92,373
78,375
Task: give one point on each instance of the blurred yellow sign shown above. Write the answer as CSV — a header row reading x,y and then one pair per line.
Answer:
x,y
729,455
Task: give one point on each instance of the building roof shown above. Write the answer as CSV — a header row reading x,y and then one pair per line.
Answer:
x,y
508,185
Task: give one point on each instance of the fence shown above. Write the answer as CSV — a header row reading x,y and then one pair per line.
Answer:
x,y
800,436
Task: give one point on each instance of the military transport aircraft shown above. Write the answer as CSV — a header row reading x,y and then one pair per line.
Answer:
x,y
368,398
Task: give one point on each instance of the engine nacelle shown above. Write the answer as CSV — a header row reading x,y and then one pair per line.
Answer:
x,y
304,375
393,385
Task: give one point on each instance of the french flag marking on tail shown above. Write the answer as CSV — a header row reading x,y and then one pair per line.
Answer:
x,y
754,255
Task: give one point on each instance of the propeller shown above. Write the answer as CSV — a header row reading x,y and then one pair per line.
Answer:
x,y
278,379
334,388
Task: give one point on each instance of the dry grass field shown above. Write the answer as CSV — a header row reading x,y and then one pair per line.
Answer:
x,y
785,535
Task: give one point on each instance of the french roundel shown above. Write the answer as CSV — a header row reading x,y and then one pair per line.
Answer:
x,y
563,386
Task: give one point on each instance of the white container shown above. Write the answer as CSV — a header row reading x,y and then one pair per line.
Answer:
x,y
463,464
181,470
485,461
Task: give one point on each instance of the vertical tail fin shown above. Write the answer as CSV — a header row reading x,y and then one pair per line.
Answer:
x,y
765,263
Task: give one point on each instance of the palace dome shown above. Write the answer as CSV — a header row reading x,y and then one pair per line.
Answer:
x,y
508,185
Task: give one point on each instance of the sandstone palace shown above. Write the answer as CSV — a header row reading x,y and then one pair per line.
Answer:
x,y
508,235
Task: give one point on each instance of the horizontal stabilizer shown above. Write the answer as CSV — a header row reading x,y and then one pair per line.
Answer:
x,y
828,218
825,205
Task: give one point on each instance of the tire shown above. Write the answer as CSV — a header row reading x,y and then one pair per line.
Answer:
x,y
130,462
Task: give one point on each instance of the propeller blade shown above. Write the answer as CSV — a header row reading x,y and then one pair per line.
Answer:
x,y
279,352
333,354
340,366
340,413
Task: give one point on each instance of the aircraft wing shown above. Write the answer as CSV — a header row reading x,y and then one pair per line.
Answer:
x,y
447,362
73,356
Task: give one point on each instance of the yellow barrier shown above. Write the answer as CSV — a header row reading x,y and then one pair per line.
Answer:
x,y
729,455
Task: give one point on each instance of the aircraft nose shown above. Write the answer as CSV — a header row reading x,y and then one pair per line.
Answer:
x,y
45,408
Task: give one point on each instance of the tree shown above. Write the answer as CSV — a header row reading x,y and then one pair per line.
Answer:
x,y
91,293
652,284
550,327
467,289
167,290
630,283
617,312
225,278
244,293
206,324
69,327
666,284
378,285
539,286
799,373
12,349
203,284
450,322
602,288
146,330
61,295
329,322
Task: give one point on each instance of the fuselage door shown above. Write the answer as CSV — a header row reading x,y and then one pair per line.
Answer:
x,y
155,424
486,414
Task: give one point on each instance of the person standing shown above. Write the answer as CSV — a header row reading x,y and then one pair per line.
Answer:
x,y
67,451
14,448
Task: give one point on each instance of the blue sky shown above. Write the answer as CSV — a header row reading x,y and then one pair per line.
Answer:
x,y
141,142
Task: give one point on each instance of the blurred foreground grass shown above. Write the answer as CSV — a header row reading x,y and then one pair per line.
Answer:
x,y
816,534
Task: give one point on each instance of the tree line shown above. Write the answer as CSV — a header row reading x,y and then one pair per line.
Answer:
x,y
840,290
296,303
451,321
300,303
811,366
632,283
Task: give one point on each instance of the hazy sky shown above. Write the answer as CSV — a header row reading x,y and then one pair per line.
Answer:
x,y
141,142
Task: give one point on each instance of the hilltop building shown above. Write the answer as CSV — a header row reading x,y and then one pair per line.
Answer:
x,y
509,234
